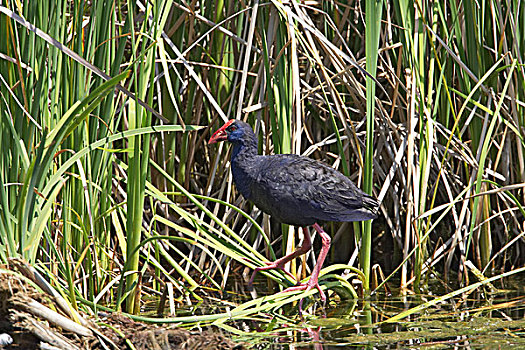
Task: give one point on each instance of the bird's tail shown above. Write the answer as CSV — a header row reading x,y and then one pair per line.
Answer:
x,y
371,204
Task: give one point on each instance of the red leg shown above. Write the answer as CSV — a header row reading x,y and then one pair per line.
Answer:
x,y
279,263
314,278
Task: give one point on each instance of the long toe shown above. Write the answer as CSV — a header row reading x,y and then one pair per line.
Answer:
x,y
269,266
316,285
307,287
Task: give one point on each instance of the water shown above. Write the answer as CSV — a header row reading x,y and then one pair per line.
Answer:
x,y
483,319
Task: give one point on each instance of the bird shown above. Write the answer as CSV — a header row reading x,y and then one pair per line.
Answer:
x,y
294,190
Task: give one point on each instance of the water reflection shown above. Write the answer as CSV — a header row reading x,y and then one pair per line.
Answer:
x,y
479,320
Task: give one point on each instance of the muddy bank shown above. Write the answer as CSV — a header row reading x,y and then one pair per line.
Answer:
x,y
34,319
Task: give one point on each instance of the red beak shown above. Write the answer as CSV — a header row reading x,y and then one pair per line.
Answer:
x,y
221,134
218,136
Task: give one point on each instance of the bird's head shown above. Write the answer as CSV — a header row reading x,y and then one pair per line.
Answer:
x,y
234,130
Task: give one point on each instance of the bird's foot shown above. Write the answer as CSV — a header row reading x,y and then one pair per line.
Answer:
x,y
307,287
269,266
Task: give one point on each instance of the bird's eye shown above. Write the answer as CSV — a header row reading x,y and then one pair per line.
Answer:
x,y
232,128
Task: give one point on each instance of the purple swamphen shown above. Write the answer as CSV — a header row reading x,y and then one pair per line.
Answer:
x,y
294,190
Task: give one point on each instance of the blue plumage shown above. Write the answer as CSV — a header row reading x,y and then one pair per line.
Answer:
x,y
294,190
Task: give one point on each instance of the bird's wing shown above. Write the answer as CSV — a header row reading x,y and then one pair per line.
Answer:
x,y
313,188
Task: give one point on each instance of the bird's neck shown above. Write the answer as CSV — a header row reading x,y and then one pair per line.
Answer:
x,y
247,147
244,164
